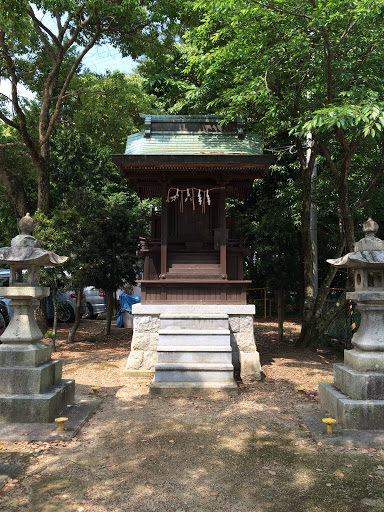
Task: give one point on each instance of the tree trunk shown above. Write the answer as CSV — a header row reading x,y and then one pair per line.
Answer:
x,y
108,321
42,166
280,302
54,327
72,331
307,164
14,186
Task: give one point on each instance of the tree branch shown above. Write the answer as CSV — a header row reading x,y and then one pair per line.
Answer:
x,y
41,28
283,10
351,23
44,137
6,144
371,186
329,160
78,92
76,32
9,122
340,137
58,19
22,127
68,21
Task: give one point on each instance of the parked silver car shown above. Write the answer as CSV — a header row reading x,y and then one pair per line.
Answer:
x,y
93,304
93,301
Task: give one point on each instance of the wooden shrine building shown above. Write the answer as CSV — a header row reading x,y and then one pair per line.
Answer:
x,y
193,163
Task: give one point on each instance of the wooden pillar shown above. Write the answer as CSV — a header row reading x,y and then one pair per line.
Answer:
x,y
223,234
164,232
153,225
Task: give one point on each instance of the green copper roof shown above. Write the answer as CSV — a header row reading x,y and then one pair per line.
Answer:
x,y
192,144
192,135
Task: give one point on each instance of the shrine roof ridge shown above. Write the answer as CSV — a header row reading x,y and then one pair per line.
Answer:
x,y
192,143
199,117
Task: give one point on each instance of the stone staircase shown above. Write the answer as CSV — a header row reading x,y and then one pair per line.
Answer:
x,y
194,353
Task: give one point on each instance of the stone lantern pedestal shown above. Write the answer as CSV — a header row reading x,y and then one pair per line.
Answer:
x,y
31,388
356,399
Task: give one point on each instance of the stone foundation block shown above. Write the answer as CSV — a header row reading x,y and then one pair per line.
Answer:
x,y
359,385
146,323
363,361
26,381
40,408
142,360
146,326
246,324
26,355
351,414
245,341
250,369
144,341
234,323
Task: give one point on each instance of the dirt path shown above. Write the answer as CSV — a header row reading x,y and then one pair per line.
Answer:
x,y
250,453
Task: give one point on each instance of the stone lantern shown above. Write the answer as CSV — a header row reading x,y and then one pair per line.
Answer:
x,y
356,399
31,387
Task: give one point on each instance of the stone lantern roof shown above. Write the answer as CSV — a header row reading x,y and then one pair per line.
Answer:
x,y
26,253
369,251
26,249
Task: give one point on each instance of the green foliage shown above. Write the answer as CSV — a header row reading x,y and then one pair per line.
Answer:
x,y
364,119
270,222
95,219
269,58
166,76
45,53
109,109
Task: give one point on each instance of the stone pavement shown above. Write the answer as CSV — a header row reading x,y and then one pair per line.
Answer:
x,y
312,417
77,415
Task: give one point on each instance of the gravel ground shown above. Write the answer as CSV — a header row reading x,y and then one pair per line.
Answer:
x,y
249,453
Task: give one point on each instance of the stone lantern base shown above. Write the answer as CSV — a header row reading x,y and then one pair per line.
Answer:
x,y
352,399
32,390
31,387
355,399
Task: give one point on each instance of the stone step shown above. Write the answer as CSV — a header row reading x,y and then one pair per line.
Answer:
x,y
177,389
194,337
197,322
218,316
194,372
174,348
169,354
